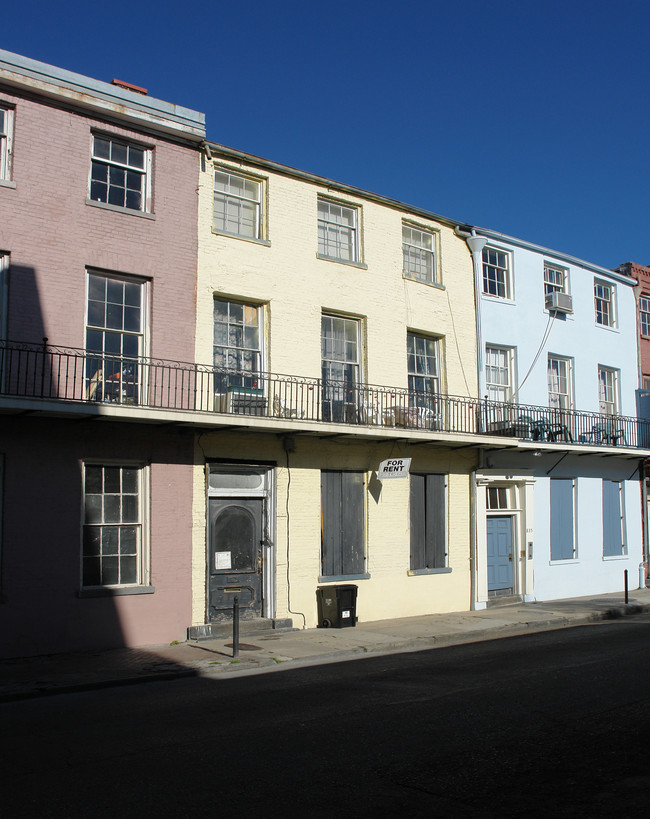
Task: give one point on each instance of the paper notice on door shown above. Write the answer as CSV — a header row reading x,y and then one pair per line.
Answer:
x,y
222,560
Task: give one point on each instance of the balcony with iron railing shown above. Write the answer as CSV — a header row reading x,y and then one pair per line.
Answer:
x,y
97,382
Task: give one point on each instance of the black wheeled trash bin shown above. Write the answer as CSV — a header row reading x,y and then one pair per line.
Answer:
x,y
337,606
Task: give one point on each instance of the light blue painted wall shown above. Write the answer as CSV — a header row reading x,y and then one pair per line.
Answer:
x,y
521,323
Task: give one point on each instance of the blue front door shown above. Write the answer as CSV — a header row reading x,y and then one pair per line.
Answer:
x,y
499,549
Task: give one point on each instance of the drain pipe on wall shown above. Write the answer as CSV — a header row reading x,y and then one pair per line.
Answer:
x,y
476,244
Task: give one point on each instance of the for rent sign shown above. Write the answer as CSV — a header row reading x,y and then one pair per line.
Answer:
x,y
394,468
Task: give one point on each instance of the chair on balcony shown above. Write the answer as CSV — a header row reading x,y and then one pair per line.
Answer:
x,y
94,384
608,432
282,410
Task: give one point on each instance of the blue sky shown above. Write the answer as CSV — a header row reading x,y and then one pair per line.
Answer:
x,y
530,118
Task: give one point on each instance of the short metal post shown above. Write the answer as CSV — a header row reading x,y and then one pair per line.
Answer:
x,y
235,628
626,595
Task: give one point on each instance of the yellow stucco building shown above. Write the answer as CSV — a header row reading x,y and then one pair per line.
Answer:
x,y
330,322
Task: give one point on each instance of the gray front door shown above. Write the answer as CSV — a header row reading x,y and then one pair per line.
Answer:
x,y
499,549
235,553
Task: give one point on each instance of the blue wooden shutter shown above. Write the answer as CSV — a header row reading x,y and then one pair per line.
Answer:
x,y
612,524
562,525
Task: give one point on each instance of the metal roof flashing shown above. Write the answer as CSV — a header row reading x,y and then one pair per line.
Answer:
x,y
105,98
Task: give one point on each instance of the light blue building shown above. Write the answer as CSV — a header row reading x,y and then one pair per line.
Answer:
x,y
559,498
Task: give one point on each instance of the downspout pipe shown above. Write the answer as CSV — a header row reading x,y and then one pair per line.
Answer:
x,y
476,244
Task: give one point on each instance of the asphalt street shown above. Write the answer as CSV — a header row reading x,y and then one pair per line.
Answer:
x,y
547,724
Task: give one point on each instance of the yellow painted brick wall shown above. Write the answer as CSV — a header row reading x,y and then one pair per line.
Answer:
x,y
295,288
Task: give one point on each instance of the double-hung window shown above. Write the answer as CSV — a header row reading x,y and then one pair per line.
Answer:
x,y
341,368
559,374
343,524
338,231
113,545
428,505
498,373
237,204
419,254
120,174
613,519
608,390
644,315
605,303
555,279
6,142
423,357
497,274
563,539
237,350
114,338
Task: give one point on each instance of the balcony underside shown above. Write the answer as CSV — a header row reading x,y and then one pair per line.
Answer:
x,y
222,422
50,382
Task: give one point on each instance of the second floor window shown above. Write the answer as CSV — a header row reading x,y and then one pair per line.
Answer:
x,y
559,383
237,204
496,273
338,236
237,337
114,338
423,369
120,174
419,254
341,368
644,315
604,304
608,390
6,137
498,373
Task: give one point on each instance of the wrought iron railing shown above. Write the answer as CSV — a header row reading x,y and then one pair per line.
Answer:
x,y
72,375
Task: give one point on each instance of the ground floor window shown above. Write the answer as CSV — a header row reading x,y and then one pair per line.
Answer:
x,y
428,522
613,519
112,550
562,519
343,519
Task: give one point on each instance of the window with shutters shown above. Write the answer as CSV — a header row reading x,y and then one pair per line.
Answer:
x,y
428,512
563,534
343,525
613,519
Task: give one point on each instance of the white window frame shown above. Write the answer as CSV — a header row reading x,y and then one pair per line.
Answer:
x,y
608,390
112,375
497,273
419,254
241,195
563,398
144,172
234,324
423,367
6,142
556,279
338,239
496,391
622,521
644,316
140,522
574,519
605,303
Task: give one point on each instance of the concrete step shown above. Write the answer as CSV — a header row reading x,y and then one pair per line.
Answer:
x,y
248,627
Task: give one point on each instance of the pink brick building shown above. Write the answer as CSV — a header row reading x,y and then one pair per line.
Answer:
x,y
98,214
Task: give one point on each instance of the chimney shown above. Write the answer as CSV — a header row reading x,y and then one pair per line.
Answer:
x,y
130,87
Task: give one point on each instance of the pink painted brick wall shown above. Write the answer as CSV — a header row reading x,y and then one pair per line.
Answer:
x,y
53,235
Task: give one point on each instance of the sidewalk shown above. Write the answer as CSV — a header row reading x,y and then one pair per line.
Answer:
x,y
270,651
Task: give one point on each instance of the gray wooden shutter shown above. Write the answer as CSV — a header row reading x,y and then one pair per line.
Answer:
x,y
343,524
418,537
612,528
562,527
428,522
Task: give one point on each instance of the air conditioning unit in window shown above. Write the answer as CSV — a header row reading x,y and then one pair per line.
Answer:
x,y
562,302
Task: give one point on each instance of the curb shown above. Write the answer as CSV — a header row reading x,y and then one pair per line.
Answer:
x,y
270,664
